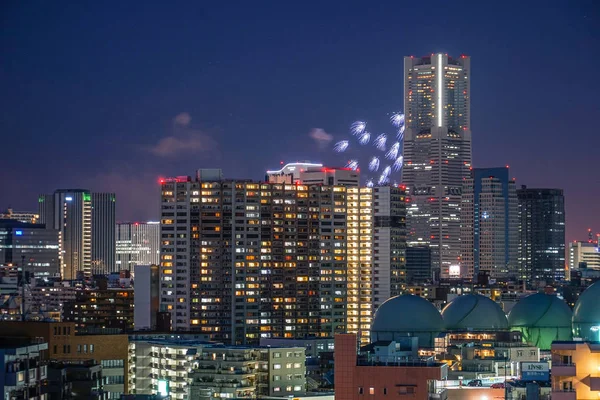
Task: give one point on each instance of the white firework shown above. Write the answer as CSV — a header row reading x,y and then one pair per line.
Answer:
x,y
370,183
374,164
380,141
341,146
401,132
397,119
364,138
358,127
397,166
352,164
392,154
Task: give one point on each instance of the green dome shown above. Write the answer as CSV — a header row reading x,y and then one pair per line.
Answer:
x,y
474,313
541,318
586,314
407,315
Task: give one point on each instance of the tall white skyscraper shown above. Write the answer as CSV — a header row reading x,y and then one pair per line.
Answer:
x,y
137,244
437,153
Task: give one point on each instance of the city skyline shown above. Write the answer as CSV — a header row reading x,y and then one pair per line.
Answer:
x,y
206,107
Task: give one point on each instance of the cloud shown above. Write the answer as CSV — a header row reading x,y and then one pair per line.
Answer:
x,y
182,119
320,136
182,139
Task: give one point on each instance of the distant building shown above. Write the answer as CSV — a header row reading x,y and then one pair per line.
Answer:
x,y
23,368
314,174
23,216
31,247
437,152
542,234
95,310
137,243
103,233
418,264
489,224
584,255
147,296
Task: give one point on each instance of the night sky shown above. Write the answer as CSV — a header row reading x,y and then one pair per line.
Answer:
x,y
112,95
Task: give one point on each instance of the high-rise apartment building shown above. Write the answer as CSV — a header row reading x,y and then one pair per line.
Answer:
x,y
70,212
542,234
31,247
437,153
490,224
137,243
314,174
244,260
86,222
103,233
389,243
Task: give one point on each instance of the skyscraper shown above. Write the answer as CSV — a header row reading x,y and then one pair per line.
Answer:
x,y
70,212
86,222
542,234
244,260
490,224
437,152
103,233
137,243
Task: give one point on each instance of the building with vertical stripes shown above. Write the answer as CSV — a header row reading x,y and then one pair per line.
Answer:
x,y
137,243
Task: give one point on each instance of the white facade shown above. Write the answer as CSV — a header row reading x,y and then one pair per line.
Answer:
x,y
437,153
305,173
584,252
137,243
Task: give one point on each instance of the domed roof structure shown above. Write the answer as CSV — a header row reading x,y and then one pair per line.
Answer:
x,y
474,312
586,314
541,318
407,315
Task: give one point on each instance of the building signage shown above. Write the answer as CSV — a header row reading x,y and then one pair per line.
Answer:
x,y
535,371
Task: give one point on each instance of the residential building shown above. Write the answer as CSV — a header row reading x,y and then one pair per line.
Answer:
x,y
23,216
137,243
46,301
96,309
437,153
247,260
359,376
584,255
70,212
77,379
32,247
306,173
490,224
389,243
575,370
23,366
103,233
147,297
110,351
542,234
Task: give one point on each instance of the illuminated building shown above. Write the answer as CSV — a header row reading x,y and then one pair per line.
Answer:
x,y
437,153
23,216
313,174
575,367
103,233
24,370
31,247
542,234
244,260
584,255
489,229
137,243
97,309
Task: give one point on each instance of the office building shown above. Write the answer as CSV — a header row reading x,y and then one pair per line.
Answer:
x,y
147,297
542,234
389,243
23,216
437,153
96,309
23,368
86,222
418,264
305,173
137,243
584,255
490,224
244,260
103,233
70,212
31,247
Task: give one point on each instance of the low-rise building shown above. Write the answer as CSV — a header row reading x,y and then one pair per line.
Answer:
x,y
575,370
77,379
23,366
95,309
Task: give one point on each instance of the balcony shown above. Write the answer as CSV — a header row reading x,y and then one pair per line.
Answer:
x,y
564,395
564,369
